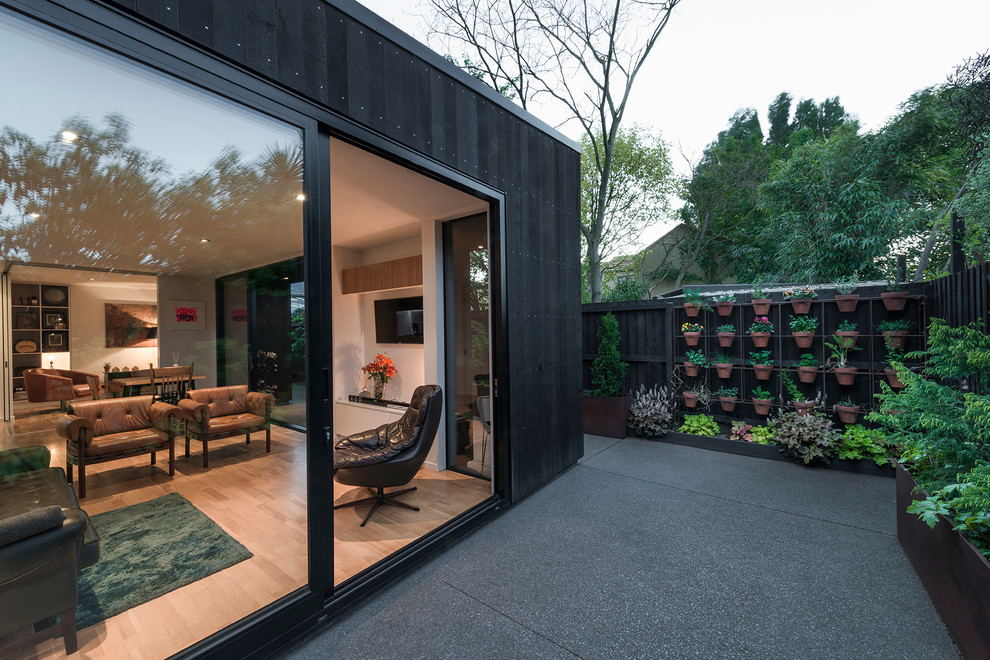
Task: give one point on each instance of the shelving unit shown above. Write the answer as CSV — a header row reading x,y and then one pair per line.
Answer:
x,y
40,326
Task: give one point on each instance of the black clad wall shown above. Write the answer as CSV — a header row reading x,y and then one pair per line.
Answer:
x,y
328,52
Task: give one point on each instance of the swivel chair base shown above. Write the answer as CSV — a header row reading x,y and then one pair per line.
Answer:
x,y
379,498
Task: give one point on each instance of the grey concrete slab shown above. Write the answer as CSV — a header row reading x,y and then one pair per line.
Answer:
x,y
640,552
596,444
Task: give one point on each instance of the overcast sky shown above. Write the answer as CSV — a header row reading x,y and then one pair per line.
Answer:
x,y
717,56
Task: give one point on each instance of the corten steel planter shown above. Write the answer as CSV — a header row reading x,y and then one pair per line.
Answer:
x,y
606,415
762,371
761,306
801,306
893,380
954,573
847,303
690,399
691,309
846,338
725,339
803,407
847,414
724,309
691,338
845,375
762,406
807,374
804,339
760,339
690,368
895,338
893,301
728,405
723,369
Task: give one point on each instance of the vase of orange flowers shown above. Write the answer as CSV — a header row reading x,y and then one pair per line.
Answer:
x,y
381,370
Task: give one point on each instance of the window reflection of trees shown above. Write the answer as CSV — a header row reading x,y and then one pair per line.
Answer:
x,y
98,201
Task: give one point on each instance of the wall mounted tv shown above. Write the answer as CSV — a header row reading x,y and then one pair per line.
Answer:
x,y
399,320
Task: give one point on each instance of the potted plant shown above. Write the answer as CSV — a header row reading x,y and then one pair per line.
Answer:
x,y
847,411
699,395
723,365
846,334
692,333
651,412
761,401
800,299
726,334
761,304
803,330
694,302
694,361
845,299
606,407
894,332
727,397
381,370
844,374
724,303
807,368
801,403
759,331
894,297
762,364
894,358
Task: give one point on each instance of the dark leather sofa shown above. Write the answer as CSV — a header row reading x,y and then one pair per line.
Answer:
x,y
45,540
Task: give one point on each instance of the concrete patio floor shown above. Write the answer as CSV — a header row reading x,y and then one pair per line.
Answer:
x,y
653,550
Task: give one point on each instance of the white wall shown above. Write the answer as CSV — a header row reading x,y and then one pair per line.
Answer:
x,y
199,346
87,325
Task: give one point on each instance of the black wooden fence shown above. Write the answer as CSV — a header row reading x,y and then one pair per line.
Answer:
x,y
962,297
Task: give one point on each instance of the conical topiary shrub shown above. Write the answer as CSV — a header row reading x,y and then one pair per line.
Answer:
x,y
608,371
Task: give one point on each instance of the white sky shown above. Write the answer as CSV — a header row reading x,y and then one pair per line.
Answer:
x,y
717,56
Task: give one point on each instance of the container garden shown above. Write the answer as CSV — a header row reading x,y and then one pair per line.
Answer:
x,y
847,303
725,339
804,339
802,306
845,375
691,309
728,403
895,339
692,338
847,414
691,369
893,301
762,306
807,374
723,369
803,407
762,406
760,339
846,338
762,371
691,399
724,308
606,415
892,379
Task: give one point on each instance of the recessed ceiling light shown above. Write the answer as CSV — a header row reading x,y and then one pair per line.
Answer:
x,y
68,137
481,247
92,279
204,240
285,278
34,215
301,197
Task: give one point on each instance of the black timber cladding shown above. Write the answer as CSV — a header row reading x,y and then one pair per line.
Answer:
x,y
327,52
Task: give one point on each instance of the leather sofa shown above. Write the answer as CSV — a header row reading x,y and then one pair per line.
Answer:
x,y
45,540
110,429
60,385
220,412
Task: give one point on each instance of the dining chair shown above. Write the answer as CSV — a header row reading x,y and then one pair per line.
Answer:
x,y
169,384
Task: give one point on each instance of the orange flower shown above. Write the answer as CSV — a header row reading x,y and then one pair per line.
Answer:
x,y
382,369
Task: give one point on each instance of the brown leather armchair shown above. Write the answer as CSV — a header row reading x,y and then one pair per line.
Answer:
x,y
220,412
60,385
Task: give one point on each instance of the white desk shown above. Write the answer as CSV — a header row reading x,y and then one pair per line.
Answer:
x,y
351,417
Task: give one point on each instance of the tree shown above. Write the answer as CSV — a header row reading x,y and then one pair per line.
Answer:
x,y
778,114
581,56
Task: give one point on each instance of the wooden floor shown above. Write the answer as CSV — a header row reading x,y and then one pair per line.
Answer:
x,y
258,499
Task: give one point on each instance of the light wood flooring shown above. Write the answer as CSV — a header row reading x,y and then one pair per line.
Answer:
x,y
260,500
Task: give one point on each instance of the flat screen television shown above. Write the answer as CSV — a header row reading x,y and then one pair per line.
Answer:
x,y
399,320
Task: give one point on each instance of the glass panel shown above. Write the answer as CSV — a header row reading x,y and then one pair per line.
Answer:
x,y
158,225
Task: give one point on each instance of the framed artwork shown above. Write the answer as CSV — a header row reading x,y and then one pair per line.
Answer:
x,y
187,314
53,320
131,325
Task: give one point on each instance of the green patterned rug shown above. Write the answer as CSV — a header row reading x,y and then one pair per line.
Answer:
x,y
150,549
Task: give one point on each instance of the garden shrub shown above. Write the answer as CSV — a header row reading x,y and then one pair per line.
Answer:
x,y
608,371
699,425
651,412
760,435
966,503
859,442
806,438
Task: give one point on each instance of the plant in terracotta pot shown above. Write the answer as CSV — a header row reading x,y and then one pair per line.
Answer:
x,y
699,396
759,331
761,401
606,407
844,374
845,299
894,297
846,334
800,299
694,302
847,411
894,360
723,365
894,332
694,360
726,334
803,329
692,332
724,303
727,397
651,412
762,364
807,368
761,303
801,403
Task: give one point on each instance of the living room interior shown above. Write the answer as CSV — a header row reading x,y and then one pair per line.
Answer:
x,y
128,268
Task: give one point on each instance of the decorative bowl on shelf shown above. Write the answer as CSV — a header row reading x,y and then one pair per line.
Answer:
x,y
26,346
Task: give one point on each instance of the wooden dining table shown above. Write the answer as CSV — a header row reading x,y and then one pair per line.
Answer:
x,y
131,382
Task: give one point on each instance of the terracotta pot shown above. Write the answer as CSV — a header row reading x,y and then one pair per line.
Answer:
x,y
845,375
728,405
804,339
807,374
690,399
691,338
762,406
847,302
892,379
725,308
895,338
690,368
724,369
847,414
801,306
760,339
803,407
762,371
846,338
691,309
893,301
762,306
725,339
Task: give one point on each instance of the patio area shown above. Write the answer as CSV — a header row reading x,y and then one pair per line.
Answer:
x,y
648,549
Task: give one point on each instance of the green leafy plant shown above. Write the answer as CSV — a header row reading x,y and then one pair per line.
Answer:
x,y
846,403
966,503
807,360
894,355
894,325
728,392
894,285
847,326
803,323
696,357
692,327
844,286
806,438
724,297
727,327
651,412
804,293
721,358
761,324
762,435
760,358
791,387
858,442
758,293
694,297
608,371
840,353
762,394
699,425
